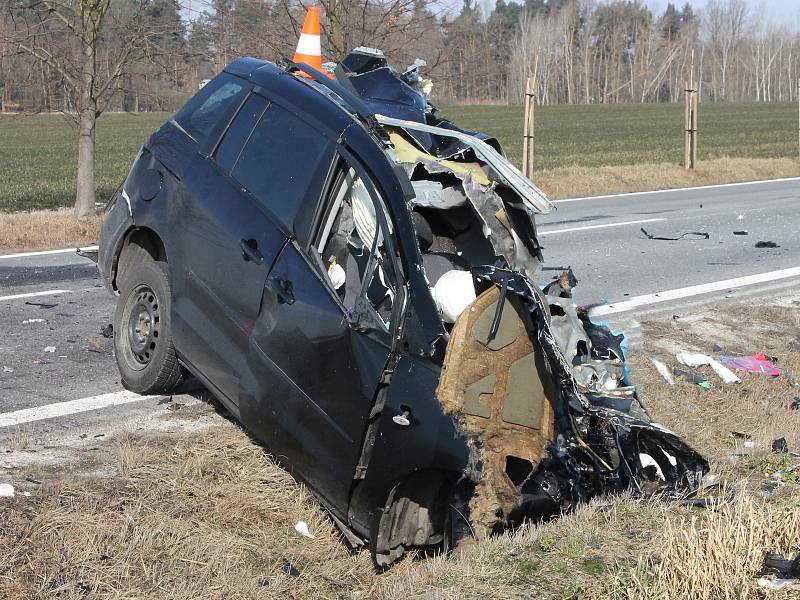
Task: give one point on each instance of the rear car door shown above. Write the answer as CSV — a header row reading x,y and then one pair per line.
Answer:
x,y
322,342
230,235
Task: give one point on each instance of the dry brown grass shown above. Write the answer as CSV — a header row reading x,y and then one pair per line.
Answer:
x,y
572,181
45,229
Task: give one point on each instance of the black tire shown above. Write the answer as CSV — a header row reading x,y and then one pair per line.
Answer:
x,y
142,331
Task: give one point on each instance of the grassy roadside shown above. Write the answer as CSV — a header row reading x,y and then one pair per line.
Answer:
x,y
209,515
45,229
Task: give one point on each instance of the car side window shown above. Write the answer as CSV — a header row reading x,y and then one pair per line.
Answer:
x,y
235,138
355,250
204,110
281,160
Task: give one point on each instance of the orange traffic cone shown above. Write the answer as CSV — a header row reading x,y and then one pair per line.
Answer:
x,y
309,47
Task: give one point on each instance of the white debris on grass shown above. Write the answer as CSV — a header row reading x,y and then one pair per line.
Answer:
x,y
50,349
662,369
6,490
29,321
777,585
301,527
691,359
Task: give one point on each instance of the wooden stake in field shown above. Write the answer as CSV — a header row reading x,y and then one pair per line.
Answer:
x,y
528,131
690,121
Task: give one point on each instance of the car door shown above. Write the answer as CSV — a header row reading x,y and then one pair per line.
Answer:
x,y
228,240
323,339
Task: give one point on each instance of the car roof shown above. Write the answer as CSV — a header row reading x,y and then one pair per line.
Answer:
x,y
301,94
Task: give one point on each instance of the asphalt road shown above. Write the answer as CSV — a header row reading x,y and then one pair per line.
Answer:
x,y
53,350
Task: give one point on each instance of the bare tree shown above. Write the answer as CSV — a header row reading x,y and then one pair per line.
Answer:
x,y
65,36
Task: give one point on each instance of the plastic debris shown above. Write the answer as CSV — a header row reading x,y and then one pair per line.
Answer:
x,y
7,369
6,490
780,446
301,527
29,321
740,232
108,331
691,359
700,235
749,444
795,405
766,245
662,369
692,378
755,363
290,570
786,567
42,304
50,349
777,585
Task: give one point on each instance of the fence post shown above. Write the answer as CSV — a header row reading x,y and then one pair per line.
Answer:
x,y
690,122
528,130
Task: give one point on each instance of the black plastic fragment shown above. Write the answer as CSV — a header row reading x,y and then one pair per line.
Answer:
x,y
767,244
780,446
700,235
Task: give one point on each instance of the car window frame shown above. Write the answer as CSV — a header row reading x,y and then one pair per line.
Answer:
x,y
222,123
344,162
220,135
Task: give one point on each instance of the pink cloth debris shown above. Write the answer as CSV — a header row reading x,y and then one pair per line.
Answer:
x,y
756,363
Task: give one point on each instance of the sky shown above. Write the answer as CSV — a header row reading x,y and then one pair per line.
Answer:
x,y
779,11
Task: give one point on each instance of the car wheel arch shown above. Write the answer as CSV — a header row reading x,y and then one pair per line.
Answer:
x,y
138,244
413,516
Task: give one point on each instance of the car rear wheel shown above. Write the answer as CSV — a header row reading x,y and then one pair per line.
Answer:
x,y
143,338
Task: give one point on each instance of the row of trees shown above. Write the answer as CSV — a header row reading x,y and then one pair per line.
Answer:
x,y
83,57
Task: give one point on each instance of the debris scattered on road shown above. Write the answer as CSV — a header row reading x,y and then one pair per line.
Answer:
x,y
29,321
50,349
755,363
6,490
42,304
662,369
301,527
108,331
691,359
780,446
741,232
766,245
699,235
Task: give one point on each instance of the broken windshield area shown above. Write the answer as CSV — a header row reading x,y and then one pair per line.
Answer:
x,y
353,249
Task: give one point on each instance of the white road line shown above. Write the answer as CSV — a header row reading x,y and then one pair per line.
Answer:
x,y
71,407
694,290
554,231
682,189
46,252
35,294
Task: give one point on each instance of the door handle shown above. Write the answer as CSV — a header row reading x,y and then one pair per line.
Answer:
x,y
283,289
250,249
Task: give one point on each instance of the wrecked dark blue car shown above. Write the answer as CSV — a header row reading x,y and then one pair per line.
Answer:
x,y
353,278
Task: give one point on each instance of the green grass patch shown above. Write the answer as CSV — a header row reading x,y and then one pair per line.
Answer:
x,y
38,157
38,153
628,134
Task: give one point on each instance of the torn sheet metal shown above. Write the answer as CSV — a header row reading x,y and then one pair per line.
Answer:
x,y
507,173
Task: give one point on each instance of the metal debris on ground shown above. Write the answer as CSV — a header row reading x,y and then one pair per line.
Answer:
x,y
780,446
755,363
766,245
695,359
741,232
698,235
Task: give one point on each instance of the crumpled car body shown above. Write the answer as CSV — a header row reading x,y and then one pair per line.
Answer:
x,y
301,225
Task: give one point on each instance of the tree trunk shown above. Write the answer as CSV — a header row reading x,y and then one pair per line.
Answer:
x,y
84,200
